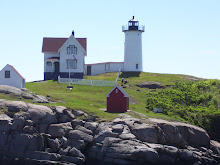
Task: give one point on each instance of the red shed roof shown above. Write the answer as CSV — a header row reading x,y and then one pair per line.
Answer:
x,y
121,89
54,44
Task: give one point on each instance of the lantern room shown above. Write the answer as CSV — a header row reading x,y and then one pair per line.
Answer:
x,y
133,24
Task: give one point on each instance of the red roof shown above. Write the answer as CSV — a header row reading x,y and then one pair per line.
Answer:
x,y
54,44
16,71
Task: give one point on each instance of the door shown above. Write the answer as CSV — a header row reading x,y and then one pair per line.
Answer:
x,y
57,67
89,70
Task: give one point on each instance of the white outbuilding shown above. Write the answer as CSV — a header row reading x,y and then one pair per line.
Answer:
x,y
10,76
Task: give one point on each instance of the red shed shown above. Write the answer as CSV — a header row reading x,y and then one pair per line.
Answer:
x,y
117,100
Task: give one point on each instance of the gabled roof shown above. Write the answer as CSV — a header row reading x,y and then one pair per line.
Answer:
x,y
121,89
54,44
14,70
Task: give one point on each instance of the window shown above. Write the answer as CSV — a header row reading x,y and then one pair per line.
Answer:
x,y
71,64
107,67
49,64
72,49
7,74
136,66
116,90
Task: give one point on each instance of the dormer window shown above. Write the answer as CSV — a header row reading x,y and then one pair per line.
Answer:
x,y
72,49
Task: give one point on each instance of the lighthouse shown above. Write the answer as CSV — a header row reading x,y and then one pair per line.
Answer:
x,y
133,46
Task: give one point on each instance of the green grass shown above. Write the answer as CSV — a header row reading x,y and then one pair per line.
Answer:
x,y
91,99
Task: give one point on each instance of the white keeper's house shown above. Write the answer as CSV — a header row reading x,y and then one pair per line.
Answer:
x,y
65,57
10,76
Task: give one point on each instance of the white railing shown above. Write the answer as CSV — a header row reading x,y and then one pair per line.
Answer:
x,y
86,82
140,28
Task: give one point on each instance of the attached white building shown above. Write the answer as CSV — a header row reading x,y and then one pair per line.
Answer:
x,y
10,76
64,57
100,68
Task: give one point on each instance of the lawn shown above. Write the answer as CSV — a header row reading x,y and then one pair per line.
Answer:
x,y
92,99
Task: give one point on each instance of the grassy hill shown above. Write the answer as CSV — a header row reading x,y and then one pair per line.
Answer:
x,y
183,98
92,98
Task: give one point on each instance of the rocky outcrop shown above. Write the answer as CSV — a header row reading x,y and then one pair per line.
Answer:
x,y
55,135
23,93
150,85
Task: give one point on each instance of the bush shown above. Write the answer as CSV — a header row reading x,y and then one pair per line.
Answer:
x,y
196,101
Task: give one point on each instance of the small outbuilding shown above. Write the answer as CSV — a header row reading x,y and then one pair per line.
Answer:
x,y
117,100
10,76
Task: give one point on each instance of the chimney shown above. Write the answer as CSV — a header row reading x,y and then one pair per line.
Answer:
x,y
73,32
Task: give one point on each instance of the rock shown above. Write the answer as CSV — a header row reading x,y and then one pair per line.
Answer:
x,y
78,112
21,143
130,150
54,144
145,132
70,159
150,85
173,135
79,135
40,99
9,89
91,125
118,128
39,155
29,123
215,147
76,153
29,129
5,123
27,95
41,114
18,122
83,129
16,106
76,122
77,143
185,154
64,151
4,141
127,136
190,134
102,135
64,142
59,130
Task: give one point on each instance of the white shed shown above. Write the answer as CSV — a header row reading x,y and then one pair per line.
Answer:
x,y
10,76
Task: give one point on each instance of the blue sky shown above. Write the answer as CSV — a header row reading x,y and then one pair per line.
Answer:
x,y
180,36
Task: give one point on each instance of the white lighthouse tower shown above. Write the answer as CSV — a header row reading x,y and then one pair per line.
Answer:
x,y
133,46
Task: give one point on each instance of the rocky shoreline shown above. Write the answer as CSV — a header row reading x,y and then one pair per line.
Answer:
x,y
38,134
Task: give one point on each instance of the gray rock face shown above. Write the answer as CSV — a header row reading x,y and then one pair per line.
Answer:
x,y
5,123
16,106
9,89
215,147
22,93
41,114
146,133
183,134
18,122
40,134
78,135
59,130
150,85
